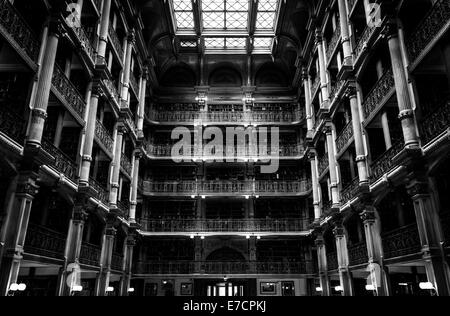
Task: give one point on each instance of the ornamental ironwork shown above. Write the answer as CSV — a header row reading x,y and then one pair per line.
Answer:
x,y
104,137
386,162
345,137
401,242
382,88
357,254
44,242
68,91
436,123
61,162
436,19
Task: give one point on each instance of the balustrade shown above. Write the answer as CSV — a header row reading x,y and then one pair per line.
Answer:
x,y
401,242
349,192
228,187
332,261
111,89
104,137
12,125
102,193
117,262
428,29
357,254
16,28
335,40
44,242
232,225
134,85
436,123
222,268
68,92
116,43
61,162
126,164
385,163
90,255
382,89
316,85
85,43
324,164
344,138
363,42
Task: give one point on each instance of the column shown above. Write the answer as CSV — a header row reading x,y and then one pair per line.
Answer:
x,y
113,195
89,137
252,254
198,254
39,112
322,71
386,130
406,115
106,257
358,136
104,31
378,273
312,157
127,68
128,257
71,270
343,260
430,233
15,226
142,99
308,105
345,33
134,187
323,267
333,171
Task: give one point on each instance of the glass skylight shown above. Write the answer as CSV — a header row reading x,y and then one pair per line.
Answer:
x,y
262,42
184,14
226,43
225,24
266,15
225,14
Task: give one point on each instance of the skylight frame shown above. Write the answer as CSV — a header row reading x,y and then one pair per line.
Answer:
x,y
225,15
183,14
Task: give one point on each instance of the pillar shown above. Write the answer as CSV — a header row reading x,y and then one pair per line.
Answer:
x,y
128,257
89,136
430,232
308,105
332,164
345,33
406,115
73,247
104,31
378,273
134,187
15,228
127,68
142,99
343,260
39,112
323,267
322,71
106,257
114,192
312,157
252,254
358,136
386,130
198,254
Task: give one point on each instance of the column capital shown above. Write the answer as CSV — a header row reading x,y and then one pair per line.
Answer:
x,y
318,36
368,216
390,29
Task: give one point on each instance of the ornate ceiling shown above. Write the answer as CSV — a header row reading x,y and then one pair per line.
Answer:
x,y
225,42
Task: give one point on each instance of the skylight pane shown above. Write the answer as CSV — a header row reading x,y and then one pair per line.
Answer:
x,y
237,20
215,42
263,42
185,20
213,5
266,20
184,16
188,44
237,5
236,42
267,5
213,20
182,5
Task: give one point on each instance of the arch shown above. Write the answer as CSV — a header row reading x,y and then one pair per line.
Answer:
x,y
225,76
179,75
271,74
226,254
